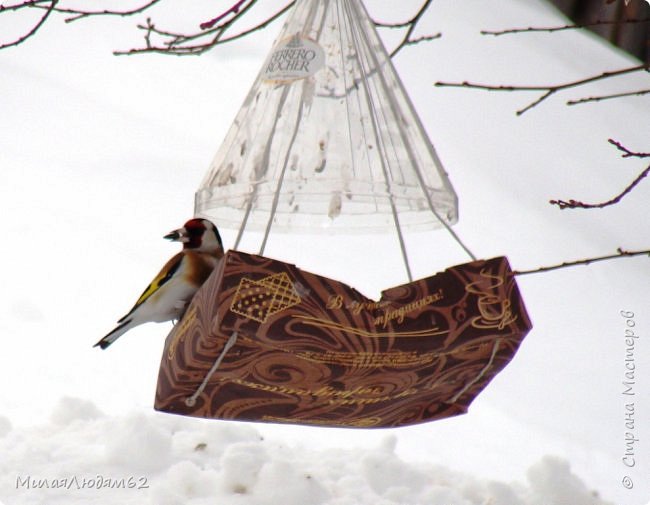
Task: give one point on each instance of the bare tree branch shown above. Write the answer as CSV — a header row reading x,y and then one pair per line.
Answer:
x,y
177,43
25,5
626,152
548,90
35,28
414,41
575,204
233,10
608,97
181,44
552,29
211,33
76,14
620,254
410,24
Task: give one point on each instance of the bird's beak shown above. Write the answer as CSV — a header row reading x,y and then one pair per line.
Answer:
x,y
179,235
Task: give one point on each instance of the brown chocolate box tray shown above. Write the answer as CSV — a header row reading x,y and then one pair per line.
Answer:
x,y
311,350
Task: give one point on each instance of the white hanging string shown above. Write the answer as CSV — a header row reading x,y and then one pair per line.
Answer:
x,y
249,206
278,189
190,401
372,108
355,5
495,348
352,8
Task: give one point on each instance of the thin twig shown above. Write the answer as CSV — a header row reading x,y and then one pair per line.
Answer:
x,y
213,32
412,23
76,14
576,204
233,10
409,22
178,43
552,29
25,5
549,89
607,97
626,152
620,254
417,40
35,28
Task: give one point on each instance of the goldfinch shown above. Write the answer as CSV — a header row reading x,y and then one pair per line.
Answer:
x,y
171,291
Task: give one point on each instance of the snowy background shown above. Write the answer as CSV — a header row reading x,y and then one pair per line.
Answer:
x,y
100,156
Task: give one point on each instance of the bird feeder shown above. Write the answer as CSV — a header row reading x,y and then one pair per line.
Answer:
x,y
327,140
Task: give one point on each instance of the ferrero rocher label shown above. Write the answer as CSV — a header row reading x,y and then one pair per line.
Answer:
x,y
293,58
314,351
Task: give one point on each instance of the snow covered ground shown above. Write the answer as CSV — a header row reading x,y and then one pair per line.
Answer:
x,y
85,456
100,157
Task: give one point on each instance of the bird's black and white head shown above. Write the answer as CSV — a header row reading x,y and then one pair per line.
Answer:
x,y
199,235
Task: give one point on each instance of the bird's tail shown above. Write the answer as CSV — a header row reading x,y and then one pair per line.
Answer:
x,y
120,330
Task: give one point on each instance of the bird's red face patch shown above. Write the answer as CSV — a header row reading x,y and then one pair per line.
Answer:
x,y
194,229
195,225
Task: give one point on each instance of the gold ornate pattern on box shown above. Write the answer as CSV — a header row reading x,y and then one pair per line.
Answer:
x,y
260,299
315,351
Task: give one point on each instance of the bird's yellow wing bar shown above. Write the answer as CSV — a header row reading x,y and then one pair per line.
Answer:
x,y
166,273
